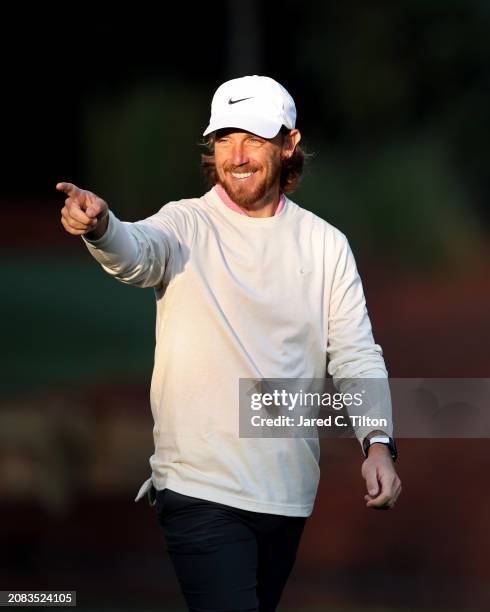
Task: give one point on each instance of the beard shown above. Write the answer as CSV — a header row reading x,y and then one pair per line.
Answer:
x,y
245,195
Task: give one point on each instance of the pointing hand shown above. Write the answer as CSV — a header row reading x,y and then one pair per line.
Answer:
x,y
83,211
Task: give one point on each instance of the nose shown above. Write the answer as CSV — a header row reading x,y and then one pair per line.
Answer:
x,y
239,154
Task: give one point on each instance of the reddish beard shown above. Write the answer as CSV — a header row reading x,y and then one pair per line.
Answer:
x,y
243,195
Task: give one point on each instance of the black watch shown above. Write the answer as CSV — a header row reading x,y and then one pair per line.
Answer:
x,y
380,439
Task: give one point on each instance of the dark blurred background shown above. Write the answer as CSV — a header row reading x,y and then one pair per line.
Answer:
x,y
393,99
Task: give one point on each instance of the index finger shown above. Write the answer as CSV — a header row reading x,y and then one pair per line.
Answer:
x,y
70,189
382,501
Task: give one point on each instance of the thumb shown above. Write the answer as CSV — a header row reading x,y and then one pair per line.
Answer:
x,y
372,483
94,208
92,211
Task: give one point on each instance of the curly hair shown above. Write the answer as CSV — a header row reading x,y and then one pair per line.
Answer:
x,y
291,169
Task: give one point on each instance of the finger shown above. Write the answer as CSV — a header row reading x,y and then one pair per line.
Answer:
x,y
380,500
398,493
386,497
70,189
380,503
390,491
70,230
75,223
385,506
372,482
388,483
95,208
75,212
78,226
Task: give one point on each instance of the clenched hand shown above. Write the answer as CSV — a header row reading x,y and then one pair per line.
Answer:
x,y
382,482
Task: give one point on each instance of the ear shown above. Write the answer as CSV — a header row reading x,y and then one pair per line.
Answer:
x,y
290,142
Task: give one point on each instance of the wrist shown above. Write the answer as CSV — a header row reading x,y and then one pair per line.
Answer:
x,y
100,229
380,441
378,449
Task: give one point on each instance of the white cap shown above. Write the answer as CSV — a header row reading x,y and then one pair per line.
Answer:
x,y
257,104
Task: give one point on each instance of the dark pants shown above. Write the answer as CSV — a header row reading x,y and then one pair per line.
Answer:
x,y
227,559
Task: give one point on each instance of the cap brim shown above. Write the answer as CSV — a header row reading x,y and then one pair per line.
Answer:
x,y
255,125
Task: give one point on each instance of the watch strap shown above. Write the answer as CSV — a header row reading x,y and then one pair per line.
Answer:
x,y
390,442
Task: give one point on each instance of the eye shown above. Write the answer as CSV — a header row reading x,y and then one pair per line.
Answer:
x,y
255,141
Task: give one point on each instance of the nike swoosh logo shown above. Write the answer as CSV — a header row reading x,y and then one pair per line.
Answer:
x,y
231,101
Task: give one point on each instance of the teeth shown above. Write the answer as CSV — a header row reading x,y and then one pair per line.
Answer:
x,y
241,175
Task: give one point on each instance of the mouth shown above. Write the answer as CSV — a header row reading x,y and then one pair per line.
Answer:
x,y
242,175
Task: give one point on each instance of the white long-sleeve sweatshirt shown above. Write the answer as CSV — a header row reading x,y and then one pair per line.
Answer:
x,y
240,297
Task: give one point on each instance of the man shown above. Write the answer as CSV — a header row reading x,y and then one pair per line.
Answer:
x,y
248,285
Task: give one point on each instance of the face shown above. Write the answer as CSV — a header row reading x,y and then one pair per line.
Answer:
x,y
249,166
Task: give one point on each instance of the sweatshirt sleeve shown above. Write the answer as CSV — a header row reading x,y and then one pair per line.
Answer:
x,y
351,349
136,253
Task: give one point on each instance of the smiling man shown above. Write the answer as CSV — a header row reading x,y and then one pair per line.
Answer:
x,y
248,285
